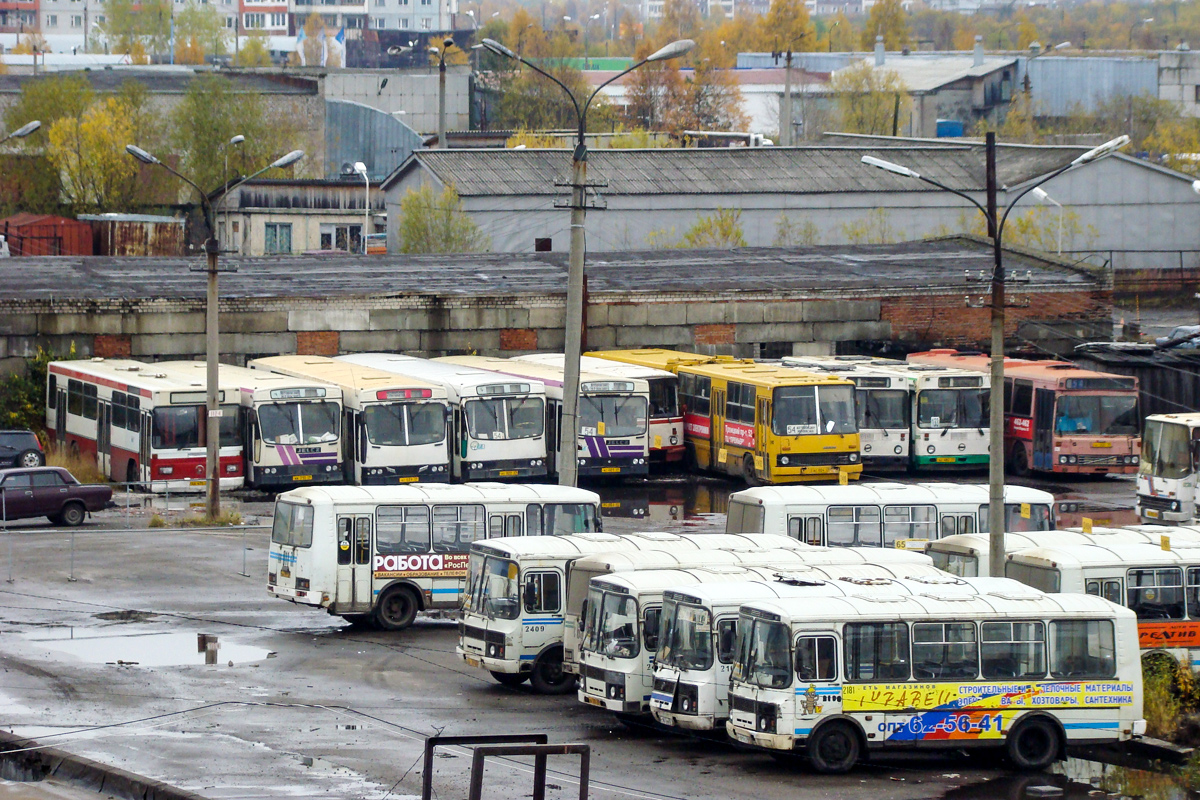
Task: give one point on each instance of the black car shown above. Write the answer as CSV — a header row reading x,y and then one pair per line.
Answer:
x,y
49,492
20,449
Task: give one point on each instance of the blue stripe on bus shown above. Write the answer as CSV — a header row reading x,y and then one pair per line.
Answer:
x,y
661,697
288,557
1090,725
528,658
546,621
831,691
446,591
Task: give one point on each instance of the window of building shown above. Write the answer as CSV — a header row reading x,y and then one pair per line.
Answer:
x,y
254,21
347,238
426,23
52,20
354,23
277,237
279,20
1197,96
404,26
229,21
77,20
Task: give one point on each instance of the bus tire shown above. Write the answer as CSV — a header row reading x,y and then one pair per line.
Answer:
x,y
510,679
833,748
1019,461
396,609
1033,744
548,676
749,473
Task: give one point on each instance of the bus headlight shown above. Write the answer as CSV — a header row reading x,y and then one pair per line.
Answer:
x,y
231,468
853,457
783,461
686,698
1062,459
930,449
495,650
767,716
614,691
674,440
899,450
1071,459
1175,505
1136,459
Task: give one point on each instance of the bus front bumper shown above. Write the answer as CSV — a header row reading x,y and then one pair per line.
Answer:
x,y
815,473
976,461
891,462
616,706
688,722
389,476
511,469
606,467
299,475
768,741
474,658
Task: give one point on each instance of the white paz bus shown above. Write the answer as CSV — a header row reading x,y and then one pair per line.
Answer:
x,y
833,677
381,554
395,428
143,423
498,424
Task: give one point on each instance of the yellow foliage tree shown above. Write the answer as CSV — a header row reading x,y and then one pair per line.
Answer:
x,y
30,43
253,51
533,140
89,152
866,99
720,230
889,20
1177,142
138,54
786,25
874,228
314,39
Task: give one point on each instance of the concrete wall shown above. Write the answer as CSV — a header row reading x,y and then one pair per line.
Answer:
x,y
414,93
737,323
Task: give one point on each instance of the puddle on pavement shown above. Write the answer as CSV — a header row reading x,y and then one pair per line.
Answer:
x,y
146,650
1077,779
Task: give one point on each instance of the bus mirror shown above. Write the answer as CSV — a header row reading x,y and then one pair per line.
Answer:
x,y
829,426
1196,434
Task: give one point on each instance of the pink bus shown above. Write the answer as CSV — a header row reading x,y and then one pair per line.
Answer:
x,y
1058,417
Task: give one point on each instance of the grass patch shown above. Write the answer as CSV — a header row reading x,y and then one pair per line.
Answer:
x,y
205,521
1161,702
157,521
82,466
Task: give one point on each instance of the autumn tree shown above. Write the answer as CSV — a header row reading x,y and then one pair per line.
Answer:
x,y
29,43
786,26
1177,143
89,153
652,93
869,100
129,24
314,40
434,222
529,100
721,230
790,232
254,51
48,98
710,100
681,19
199,30
889,20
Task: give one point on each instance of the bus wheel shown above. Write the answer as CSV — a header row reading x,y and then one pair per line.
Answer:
x,y
548,676
397,609
1019,462
510,679
749,472
1033,745
833,748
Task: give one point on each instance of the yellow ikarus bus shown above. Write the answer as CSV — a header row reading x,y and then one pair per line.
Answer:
x,y
767,423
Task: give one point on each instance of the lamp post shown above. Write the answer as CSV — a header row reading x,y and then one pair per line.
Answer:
x,y
586,22
995,224
361,169
786,123
211,340
1040,194
441,54
225,175
1137,22
23,131
569,468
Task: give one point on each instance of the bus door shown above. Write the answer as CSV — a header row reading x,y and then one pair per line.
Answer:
x,y
809,529
60,415
1043,429
762,453
954,523
717,432
145,435
354,589
554,447
458,442
355,439
104,438
505,525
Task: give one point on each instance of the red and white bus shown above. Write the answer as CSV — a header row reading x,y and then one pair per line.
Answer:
x,y
144,424
1059,417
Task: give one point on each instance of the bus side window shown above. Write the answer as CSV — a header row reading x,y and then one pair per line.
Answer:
x,y
1193,592
542,593
512,525
1113,592
1082,649
966,524
947,526
1013,650
1022,399
650,620
495,526
533,520
402,529
816,658
796,528
455,527
343,537
726,630
362,540
1156,593
876,651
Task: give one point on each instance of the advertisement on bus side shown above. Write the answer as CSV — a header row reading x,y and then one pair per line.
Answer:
x,y
423,565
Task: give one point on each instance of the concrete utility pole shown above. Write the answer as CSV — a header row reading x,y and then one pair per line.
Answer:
x,y
568,468
441,54
996,516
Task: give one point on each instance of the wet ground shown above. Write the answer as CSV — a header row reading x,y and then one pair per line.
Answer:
x,y
99,646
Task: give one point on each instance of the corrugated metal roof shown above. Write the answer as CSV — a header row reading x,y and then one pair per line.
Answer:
x,y
767,170
834,270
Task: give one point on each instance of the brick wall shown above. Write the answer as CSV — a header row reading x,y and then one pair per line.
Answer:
x,y
518,339
714,334
317,343
110,346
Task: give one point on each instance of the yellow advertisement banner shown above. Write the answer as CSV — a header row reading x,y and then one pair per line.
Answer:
x,y
951,696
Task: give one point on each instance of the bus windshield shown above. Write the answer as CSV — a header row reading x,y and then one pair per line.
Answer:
x,y
687,640
763,658
664,400
964,566
953,408
498,593
611,626
622,415
502,418
399,424
882,408
1097,415
178,427
298,423
563,519
1166,451
837,409
1039,518
807,411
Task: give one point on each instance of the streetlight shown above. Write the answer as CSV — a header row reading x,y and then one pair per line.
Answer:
x,y
212,249
587,21
831,27
225,175
569,469
474,22
1137,22
996,399
1040,194
23,131
361,169
441,54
